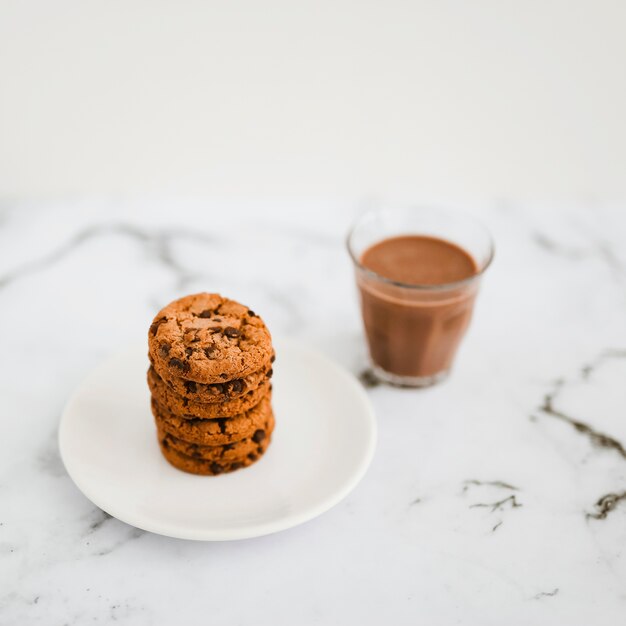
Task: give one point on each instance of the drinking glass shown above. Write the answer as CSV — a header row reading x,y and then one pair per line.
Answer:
x,y
413,331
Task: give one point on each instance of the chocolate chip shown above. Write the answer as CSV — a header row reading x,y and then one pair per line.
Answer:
x,y
178,364
190,386
236,385
232,333
223,376
185,402
196,455
164,349
222,424
258,436
228,446
205,314
260,450
273,358
217,319
209,351
166,443
252,456
270,373
236,465
251,313
216,468
155,325
188,351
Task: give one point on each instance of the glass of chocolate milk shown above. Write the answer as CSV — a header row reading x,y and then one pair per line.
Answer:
x,y
418,271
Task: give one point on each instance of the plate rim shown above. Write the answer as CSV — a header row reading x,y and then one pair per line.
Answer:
x,y
244,532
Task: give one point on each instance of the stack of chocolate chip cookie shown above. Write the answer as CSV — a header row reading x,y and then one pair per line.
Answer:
x,y
210,368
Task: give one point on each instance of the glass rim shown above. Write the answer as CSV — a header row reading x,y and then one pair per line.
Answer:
x,y
421,287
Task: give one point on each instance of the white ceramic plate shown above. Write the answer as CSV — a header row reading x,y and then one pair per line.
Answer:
x,y
323,442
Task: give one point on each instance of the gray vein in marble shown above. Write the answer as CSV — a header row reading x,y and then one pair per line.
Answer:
x,y
606,504
599,247
499,505
69,246
164,241
546,594
491,483
606,252
98,519
97,523
134,533
158,243
550,245
598,439
509,502
587,370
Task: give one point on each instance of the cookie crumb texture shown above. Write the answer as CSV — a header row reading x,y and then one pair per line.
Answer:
x,y
211,362
208,467
216,393
181,406
213,432
208,339
227,453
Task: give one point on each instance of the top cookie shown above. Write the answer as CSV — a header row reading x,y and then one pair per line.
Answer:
x,y
209,339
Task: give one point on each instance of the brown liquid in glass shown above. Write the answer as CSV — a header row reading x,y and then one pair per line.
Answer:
x,y
415,332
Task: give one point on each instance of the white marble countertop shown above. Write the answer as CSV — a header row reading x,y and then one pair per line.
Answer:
x,y
492,499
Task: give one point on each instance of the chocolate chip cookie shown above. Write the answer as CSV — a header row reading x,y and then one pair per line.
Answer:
x,y
204,467
213,432
178,405
217,392
206,338
226,452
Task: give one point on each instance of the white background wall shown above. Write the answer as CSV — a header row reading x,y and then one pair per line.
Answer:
x,y
478,100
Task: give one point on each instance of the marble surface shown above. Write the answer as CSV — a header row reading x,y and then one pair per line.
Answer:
x,y
498,497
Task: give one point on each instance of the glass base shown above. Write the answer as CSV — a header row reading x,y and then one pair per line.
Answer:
x,y
409,381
